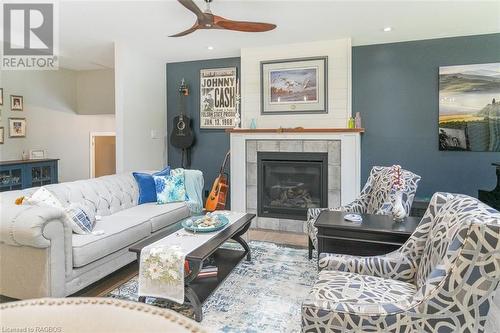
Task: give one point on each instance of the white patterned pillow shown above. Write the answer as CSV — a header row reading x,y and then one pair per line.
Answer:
x,y
43,197
80,218
170,188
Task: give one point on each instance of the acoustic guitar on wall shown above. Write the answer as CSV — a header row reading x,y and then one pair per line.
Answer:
x,y
182,135
217,198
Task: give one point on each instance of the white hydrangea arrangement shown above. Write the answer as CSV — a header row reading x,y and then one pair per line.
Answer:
x,y
164,265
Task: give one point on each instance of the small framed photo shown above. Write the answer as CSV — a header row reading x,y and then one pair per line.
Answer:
x,y
2,135
37,154
294,86
1,96
17,127
16,103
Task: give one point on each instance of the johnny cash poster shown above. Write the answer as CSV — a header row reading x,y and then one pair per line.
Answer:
x,y
217,97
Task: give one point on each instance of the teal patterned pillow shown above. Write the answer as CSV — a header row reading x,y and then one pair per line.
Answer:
x,y
170,188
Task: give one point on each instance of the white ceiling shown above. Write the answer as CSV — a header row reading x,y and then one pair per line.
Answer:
x,y
89,28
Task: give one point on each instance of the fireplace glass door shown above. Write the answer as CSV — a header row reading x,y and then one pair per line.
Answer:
x,y
290,183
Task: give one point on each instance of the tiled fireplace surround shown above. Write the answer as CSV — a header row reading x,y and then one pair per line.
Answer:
x,y
343,149
332,147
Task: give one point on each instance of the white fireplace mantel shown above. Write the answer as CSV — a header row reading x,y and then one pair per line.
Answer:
x,y
350,158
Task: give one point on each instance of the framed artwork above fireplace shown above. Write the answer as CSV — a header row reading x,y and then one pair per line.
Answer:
x,y
294,86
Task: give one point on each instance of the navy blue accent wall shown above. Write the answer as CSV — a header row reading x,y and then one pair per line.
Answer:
x,y
395,88
211,145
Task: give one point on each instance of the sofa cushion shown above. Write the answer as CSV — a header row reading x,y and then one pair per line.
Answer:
x,y
160,216
355,293
118,232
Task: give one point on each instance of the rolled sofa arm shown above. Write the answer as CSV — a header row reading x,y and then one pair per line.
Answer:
x,y
24,225
35,251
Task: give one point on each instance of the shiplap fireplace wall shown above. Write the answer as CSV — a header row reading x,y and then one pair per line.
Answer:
x,y
342,146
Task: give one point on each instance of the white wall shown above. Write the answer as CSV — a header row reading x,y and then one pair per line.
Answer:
x,y
339,83
140,85
95,90
50,101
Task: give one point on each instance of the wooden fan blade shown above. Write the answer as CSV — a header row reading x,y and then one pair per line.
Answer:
x,y
186,32
242,25
189,4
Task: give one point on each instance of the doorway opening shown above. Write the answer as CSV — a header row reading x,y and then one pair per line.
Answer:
x,y
102,154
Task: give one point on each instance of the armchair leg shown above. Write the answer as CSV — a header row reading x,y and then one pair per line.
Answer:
x,y
310,247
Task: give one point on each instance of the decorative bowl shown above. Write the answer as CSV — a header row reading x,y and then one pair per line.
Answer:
x,y
195,224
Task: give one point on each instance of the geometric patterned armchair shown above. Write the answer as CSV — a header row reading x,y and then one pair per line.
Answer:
x,y
441,280
376,197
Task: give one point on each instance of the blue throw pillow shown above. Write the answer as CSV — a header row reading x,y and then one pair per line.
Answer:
x,y
146,183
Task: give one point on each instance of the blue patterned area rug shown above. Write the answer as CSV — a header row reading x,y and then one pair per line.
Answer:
x,y
263,295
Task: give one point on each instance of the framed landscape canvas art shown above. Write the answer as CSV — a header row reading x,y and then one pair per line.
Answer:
x,y
469,107
294,86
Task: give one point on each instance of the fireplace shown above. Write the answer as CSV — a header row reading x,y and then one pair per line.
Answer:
x,y
290,183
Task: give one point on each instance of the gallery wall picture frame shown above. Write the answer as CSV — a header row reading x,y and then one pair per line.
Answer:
x,y
469,107
17,127
37,154
218,90
1,96
2,135
16,103
294,86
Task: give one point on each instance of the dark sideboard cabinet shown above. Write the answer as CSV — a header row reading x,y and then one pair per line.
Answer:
x,y
492,198
21,174
375,235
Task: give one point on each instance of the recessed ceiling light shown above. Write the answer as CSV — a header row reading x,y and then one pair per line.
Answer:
x,y
210,48
387,29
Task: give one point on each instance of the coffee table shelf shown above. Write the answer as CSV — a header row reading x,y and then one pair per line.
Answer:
x,y
225,260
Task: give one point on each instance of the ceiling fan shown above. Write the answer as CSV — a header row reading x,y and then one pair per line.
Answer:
x,y
207,20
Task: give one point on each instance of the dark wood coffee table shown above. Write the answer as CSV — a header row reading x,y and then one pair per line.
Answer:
x,y
376,234
198,290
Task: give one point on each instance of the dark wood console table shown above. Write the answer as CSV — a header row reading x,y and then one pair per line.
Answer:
x,y
376,234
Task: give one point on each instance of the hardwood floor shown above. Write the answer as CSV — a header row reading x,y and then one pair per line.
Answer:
x,y
278,237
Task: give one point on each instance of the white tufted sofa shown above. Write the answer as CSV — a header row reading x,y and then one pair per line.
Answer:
x,y
39,254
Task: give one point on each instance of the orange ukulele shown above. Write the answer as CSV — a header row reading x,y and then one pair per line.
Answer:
x,y
217,197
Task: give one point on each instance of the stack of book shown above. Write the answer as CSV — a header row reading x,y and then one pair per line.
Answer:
x,y
208,272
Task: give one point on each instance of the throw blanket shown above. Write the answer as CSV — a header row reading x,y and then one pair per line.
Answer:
x,y
161,267
193,181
